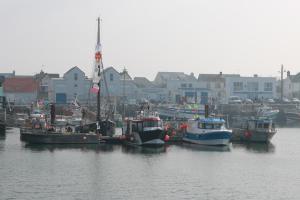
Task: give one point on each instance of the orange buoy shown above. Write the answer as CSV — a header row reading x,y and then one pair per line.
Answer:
x,y
167,137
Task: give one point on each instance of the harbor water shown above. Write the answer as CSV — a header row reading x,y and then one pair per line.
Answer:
x,y
240,171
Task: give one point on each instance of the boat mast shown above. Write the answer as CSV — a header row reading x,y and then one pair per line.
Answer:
x,y
99,74
124,73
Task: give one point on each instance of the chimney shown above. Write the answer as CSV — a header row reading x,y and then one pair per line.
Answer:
x,y
255,75
221,73
288,73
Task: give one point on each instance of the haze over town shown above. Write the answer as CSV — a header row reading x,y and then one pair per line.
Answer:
x,y
207,36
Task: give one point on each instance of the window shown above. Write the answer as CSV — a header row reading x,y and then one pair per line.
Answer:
x,y
218,85
75,85
259,125
252,86
140,126
111,77
134,127
190,85
75,76
208,85
209,126
268,86
266,125
183,85
149,124
237,86
217,126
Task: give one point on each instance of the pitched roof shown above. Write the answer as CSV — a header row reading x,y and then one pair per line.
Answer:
x,y
142,82
175,76
127,76
73,69
295,78
20,84
42,75
210,77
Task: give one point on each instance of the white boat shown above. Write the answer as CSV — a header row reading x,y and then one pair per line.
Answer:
x,y
266,111
207,131
187,111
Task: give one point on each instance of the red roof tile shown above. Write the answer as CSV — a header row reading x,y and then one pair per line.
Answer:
x,y
20,84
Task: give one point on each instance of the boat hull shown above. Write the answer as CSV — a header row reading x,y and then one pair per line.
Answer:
x,y
252,136
2,128
146,138
210,138
42,137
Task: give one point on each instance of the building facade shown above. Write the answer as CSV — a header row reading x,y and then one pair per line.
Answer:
x,y
73,84
291,86
254,88
21,90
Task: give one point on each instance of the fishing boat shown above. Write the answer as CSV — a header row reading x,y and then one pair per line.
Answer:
x,y
255,130
207,131
50,136
146,129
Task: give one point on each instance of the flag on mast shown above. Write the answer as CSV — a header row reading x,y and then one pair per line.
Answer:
x,y
97,63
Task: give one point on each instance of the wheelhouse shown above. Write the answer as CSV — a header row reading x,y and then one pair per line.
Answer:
x,y
260,124
211,123
140,125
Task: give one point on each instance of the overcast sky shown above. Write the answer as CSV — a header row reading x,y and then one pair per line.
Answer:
x,y
146,36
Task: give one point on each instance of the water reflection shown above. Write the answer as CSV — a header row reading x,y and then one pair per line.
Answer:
x,y
2,132
2,137
256,147
143,150
197,147
82,147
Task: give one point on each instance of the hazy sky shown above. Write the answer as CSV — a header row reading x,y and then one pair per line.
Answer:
x,y
146,36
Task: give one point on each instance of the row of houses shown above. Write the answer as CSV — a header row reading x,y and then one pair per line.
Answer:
x,y
171,87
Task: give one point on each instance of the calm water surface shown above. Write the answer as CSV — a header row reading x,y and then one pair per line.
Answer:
x,y
175,172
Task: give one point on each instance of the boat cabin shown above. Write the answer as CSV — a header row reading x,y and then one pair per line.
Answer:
x,y
208,123
259,124
142,124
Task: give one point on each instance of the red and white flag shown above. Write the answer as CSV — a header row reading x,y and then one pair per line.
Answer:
x,y
95,89
97,64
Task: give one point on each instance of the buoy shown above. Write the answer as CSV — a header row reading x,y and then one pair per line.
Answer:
x,y
247,134
167,137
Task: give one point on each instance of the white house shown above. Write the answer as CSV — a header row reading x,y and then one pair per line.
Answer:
x,y
251,87
181,87
73,83
118,84
216,84
291,86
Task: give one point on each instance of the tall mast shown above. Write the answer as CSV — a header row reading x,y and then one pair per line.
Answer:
x,y
98,61
281,84
98,33
124,76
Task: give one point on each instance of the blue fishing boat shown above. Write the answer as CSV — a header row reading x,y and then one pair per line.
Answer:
x,y
207,131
